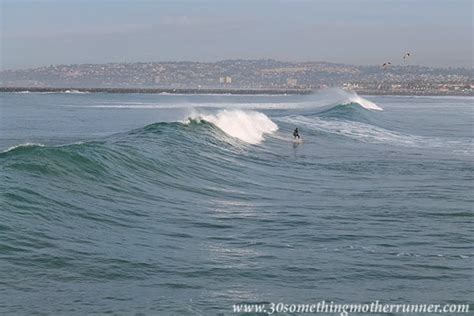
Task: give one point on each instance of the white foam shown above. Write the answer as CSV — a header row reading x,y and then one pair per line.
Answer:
x,y
247,126
39,145
330,97
22,145
73,91
366,104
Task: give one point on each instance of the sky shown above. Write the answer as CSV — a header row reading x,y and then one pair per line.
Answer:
x,y
37,33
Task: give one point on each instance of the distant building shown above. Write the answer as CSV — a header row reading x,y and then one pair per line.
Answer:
x,y
225,80
291,83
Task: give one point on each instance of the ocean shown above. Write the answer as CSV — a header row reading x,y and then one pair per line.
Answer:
x,y
188,204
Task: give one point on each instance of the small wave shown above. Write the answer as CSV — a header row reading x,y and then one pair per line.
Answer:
x,y
349,112
73,91
35,145
333,97
247,126
366,104
24,145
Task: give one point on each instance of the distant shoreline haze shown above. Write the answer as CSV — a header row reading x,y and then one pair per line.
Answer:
x,y
399,63
239,74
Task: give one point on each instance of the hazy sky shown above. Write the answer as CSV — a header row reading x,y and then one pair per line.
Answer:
x,y
43,32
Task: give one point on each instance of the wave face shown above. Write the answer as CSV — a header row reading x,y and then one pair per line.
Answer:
x,y
189,204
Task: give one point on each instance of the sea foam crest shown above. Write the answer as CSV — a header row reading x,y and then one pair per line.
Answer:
x,y
247,126
73,91
22,145
366,104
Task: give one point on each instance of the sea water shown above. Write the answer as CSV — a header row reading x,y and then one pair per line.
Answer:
x,y
188,204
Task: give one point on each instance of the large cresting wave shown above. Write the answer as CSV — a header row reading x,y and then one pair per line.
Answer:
x,y
247,126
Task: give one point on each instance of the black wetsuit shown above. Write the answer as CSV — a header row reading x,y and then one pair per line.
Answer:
x,y
296,133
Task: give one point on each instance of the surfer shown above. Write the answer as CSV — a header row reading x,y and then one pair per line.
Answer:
x,y
296,134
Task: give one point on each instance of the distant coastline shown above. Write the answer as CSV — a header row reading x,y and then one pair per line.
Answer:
x,y
238,91
263,76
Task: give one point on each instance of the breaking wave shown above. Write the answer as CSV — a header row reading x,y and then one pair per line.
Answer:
x,y
247,126
366,104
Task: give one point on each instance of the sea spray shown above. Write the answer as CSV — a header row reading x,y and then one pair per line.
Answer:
x,y
338,96
247,126
366,104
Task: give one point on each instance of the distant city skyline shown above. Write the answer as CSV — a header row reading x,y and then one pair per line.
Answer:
x,y
36,33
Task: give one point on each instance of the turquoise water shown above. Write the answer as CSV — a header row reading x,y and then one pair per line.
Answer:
x,y
174,204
